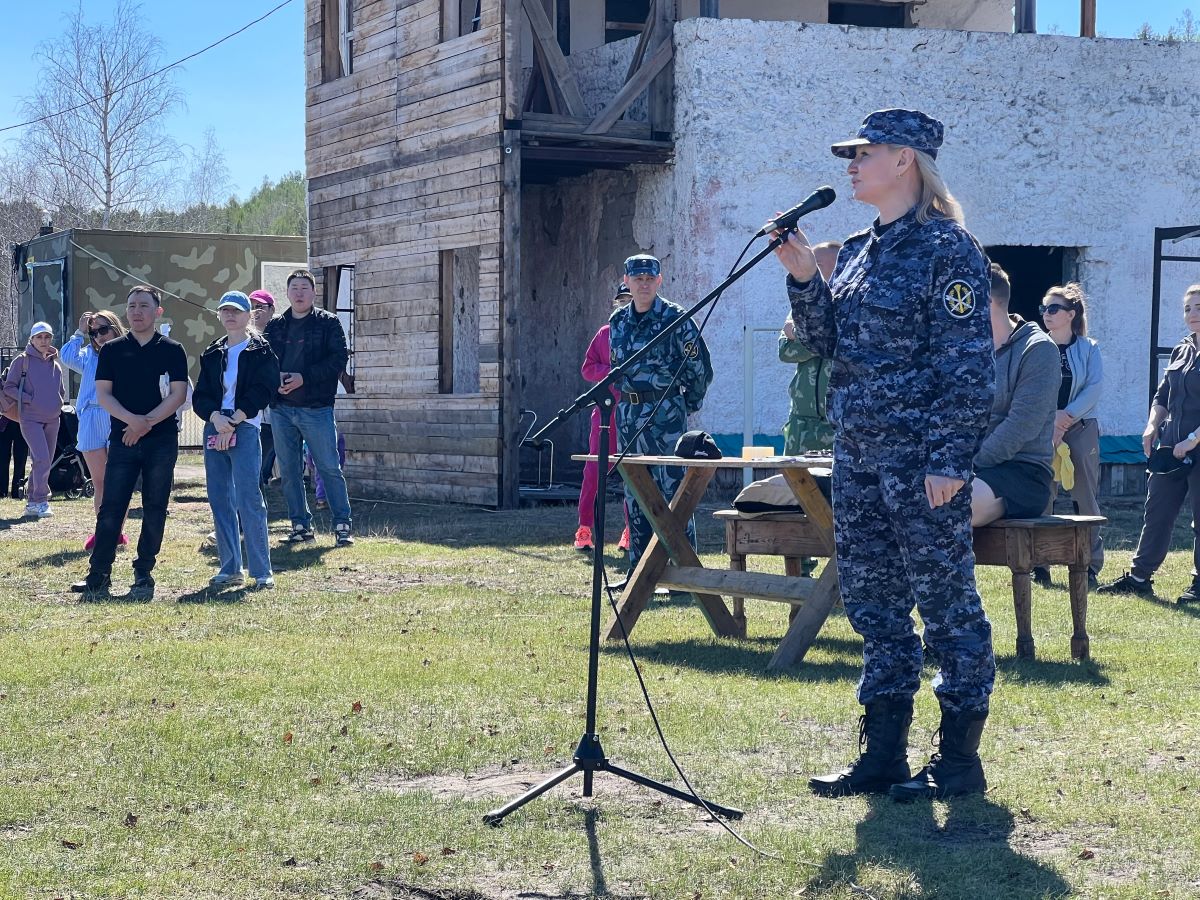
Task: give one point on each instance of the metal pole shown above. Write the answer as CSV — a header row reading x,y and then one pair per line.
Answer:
x,y
709,9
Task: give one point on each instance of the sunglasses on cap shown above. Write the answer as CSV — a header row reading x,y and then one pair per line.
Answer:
x,y
99,330
1053,308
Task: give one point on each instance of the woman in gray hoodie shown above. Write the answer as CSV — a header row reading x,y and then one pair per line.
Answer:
x,y
1064,312
35,385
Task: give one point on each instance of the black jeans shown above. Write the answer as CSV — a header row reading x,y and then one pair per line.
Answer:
x,y
268,453
153,458
12,446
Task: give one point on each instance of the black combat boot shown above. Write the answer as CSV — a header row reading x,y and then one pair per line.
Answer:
x,y
955,768
883,731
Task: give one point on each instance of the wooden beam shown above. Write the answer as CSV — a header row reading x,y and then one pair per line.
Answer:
x,y
644,39
509,487
451,20
1025,19
446,316
563,78
661,100
1087,18
331,48
634,86
511,49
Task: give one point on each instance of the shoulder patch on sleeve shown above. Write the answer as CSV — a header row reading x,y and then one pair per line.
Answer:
x,y
959,299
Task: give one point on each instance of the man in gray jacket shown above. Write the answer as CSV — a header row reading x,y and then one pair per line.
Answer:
x,y
1014,465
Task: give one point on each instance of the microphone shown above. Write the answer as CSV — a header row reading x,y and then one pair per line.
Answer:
x,y
818,199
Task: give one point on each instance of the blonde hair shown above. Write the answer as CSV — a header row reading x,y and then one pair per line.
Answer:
x,y
111,320
1072,292
936,200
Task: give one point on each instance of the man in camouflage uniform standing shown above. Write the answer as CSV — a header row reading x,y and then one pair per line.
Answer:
x,y
906,323
807,428
658,391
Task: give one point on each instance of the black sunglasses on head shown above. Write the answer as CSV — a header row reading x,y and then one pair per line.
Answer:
x,y
1053,308
102,329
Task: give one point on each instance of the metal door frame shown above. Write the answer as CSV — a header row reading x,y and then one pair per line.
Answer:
x,y
1174,235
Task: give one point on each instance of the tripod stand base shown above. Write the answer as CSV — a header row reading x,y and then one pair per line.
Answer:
x,y
590,758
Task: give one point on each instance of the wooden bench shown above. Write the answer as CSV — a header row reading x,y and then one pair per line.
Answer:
x,y
1022,544
1019,544
790,535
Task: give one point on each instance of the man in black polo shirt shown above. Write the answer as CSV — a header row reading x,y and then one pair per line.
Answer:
x,y
144,440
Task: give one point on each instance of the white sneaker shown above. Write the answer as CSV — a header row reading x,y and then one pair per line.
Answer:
x,y
44,510
222,580
265,583
31,510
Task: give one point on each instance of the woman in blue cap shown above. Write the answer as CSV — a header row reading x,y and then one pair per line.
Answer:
x,y
905,320
239,375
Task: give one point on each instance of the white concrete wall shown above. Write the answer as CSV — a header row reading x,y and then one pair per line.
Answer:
x,y
1051,141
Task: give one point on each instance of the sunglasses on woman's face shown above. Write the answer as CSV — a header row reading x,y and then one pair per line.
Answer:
x,y
1052,309
100,330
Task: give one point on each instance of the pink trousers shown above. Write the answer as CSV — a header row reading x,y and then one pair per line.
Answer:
x,y
591,471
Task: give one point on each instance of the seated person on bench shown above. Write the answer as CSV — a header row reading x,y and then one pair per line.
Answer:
x,y
1014,465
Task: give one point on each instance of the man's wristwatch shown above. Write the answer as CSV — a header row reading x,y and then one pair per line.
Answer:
x,y
1192,437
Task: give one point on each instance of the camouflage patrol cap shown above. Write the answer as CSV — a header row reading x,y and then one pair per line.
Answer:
x,y
902,127
642,264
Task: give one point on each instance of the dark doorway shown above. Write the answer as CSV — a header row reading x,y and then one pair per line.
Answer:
x,y
1032,271
873,15
624,18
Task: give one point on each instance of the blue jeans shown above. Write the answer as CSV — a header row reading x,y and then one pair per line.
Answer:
x,y
153,458
233,493
293,426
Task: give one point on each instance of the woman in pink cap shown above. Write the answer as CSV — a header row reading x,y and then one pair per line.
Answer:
x,y
35,387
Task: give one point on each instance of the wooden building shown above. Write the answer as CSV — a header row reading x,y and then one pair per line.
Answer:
x,y
419,123
430,123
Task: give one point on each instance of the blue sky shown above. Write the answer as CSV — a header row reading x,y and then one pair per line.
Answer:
x,y
251,88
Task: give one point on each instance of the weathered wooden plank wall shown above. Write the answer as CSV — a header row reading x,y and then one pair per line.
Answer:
x,y
405,160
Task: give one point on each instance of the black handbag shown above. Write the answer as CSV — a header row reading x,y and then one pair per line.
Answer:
x,y
1163,461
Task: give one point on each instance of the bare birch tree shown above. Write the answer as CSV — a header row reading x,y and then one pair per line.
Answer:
x,y
101,105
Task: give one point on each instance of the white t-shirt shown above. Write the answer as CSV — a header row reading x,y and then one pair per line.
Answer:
x,y
229,381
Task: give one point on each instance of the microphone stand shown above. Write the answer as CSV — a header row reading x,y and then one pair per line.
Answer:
x,y
589,755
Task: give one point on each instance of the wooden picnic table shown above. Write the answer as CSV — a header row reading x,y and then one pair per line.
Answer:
x,y
669,560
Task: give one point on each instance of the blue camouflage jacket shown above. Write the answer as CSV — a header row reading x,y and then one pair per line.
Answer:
x,y
906,323
629,332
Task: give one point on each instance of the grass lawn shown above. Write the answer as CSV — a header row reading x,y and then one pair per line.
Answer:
x,y
343,735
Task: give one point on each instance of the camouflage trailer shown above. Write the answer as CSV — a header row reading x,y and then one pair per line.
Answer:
x,y
62,275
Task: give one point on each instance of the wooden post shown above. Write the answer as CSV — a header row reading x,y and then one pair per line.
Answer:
x,y
1087,18
511,48
662,89
562,24
510,293
1026,17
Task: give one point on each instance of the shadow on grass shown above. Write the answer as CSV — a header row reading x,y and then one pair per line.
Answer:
x,y
750,657
1033,671
967,858
56,560
107,597
215,595
285,557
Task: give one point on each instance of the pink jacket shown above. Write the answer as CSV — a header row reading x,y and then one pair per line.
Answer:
x,y
598,360
44,388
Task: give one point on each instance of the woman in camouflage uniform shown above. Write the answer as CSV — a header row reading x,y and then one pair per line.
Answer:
x,y
905,321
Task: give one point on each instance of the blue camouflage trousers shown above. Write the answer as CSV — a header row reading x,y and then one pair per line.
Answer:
x,y
894,553
658,438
